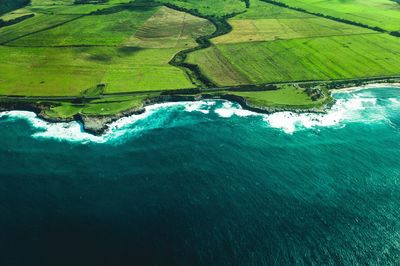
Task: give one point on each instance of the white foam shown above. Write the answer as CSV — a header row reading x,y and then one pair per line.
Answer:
x,y
63,131
344,111
394,101
355,108
72,131
200,106
289,122
229,109
366,87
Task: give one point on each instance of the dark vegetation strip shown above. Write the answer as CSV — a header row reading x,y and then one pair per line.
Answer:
x,y
121,7
330,84
10,5
342,20
222,28
83,2
10,22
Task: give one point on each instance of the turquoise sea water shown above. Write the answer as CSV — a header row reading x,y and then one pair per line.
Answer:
x,y
206,184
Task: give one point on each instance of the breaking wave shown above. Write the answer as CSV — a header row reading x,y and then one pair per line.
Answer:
x,y
351,106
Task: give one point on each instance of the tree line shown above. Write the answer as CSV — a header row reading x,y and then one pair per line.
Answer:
x,y
4,23
10,5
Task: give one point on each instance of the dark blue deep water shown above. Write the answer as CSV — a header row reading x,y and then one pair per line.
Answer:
x,y
206,184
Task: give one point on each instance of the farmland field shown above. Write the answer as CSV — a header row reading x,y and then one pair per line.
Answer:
x,y
285,45
376,13
300,59
63,55
210,7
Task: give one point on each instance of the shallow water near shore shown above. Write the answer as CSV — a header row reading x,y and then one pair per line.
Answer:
x,y
205,183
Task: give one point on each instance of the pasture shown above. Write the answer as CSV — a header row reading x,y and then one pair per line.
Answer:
x,y
285,97
217,8
110,29
60,54
326,58
282,47
376,13
105,106
249,30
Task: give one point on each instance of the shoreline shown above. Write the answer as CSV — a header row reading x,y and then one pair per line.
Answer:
x,y
367,86
98,125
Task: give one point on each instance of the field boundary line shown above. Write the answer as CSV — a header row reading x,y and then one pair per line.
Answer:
x,y
42,30
193,71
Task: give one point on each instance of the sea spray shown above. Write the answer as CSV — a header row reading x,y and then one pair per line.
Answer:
x,y
358,105
192,188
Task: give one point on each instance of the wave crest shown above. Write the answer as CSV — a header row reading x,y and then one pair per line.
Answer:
x,y
350,107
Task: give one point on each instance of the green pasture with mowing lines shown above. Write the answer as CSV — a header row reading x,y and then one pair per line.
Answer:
x,y
381,13
110,29
248,30
259,10
169,28
144,70
324,58
113,49
283,46
217,67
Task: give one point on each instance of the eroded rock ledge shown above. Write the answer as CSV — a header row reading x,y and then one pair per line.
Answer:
x,y
98,125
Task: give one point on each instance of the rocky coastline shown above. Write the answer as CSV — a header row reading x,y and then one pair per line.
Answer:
x,y
98,125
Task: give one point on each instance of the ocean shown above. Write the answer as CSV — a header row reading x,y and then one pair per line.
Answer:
x,y
206,183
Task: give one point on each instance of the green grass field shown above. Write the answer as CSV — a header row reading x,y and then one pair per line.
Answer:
x,y
127,50
380,13
113,29
215,8
106,106
343,57
286,96
285,45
